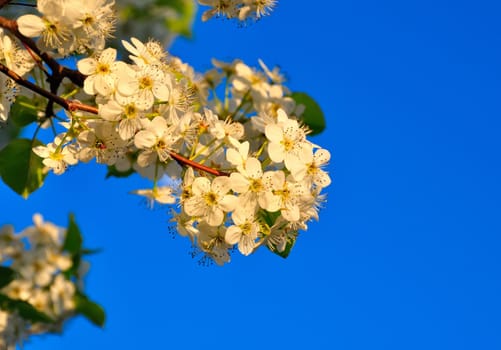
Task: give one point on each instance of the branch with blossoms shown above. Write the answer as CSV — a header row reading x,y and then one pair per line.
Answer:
x,y
154,113
228,149
73,106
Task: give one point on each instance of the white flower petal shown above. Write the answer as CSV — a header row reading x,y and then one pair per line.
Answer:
x,y
89,85
253,168
276,152
221,185
87,66
228,203
273,133
200,186
215,217
322,156
269,202
239,183
246,245
30,25
233,234
145,139
322,179
161,91
146,158
108,56
291,213
194,206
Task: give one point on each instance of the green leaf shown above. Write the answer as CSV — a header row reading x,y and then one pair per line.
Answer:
x,y
181,20
90,310
20,168
113,171
23,112
8,132
7,275
269,217
177,15
312,116
24,309
73,241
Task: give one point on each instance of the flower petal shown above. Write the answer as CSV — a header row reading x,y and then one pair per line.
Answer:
x,y
30,25
233,234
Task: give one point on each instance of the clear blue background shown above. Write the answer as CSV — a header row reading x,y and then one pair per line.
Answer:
x,y
406,253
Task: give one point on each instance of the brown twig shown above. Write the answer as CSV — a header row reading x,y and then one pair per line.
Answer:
x,y
78,106
57,69
4,2
35,88
180,159
58,73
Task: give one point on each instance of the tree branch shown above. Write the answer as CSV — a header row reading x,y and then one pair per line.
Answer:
x,y
66,104
3,3
58,71
185,161
74,106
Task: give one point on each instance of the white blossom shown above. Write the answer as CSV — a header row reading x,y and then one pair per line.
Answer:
x,y
101,72
245,230
210,201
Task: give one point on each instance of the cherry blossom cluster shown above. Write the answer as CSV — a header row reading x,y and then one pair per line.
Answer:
x,y
252,176
239,9
226,148
273,176
17,60
36,254
69,26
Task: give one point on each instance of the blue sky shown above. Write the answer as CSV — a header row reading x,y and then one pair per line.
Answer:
x,y
406,252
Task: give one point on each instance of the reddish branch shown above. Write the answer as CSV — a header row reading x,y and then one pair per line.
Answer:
x,y
58,71
4,2
66,104
182,160
74,106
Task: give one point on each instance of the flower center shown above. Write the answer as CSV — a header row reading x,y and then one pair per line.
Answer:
x,y
210,198
288,144
103,68
246,228
130,111
312,169
256,185
145,83
88,20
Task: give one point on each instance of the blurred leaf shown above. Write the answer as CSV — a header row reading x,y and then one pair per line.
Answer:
x,y
73,270
113,171
90,310
312,116
73,241
181,21
176,16
73,245
7,275
8,132
24,309
269,217
23,112
20,168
